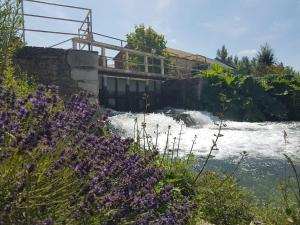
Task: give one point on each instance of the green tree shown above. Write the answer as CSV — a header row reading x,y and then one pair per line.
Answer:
x,y
10,23
266,56
222,54
236,61
245,67
146,39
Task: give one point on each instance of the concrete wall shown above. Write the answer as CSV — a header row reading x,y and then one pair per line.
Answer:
x,y
183,94
74,70
127,94
71,70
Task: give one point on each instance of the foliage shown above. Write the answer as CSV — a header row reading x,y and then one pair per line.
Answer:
x,y
146,39
263,64
18,81
265,55
250,98
56,170
10,22
222,201
222,54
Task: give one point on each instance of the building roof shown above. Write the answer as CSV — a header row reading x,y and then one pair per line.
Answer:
x,y
195,57
186,55
190,56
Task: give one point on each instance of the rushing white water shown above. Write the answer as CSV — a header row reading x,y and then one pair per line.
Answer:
x,y
264,139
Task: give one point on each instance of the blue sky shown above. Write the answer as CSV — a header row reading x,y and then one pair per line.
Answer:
x,y
197,26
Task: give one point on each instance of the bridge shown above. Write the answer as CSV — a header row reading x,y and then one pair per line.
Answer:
x,y
118,76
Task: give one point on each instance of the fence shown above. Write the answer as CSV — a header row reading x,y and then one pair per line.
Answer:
x,y
112,56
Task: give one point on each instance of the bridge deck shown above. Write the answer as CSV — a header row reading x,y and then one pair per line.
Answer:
x,y
131,74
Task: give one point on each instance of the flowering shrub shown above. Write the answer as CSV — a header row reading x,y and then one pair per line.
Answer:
x,y
57,169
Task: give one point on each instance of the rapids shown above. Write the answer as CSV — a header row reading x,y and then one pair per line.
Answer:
x,y
259,140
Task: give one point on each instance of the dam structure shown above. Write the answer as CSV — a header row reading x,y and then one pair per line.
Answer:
x,y
118,77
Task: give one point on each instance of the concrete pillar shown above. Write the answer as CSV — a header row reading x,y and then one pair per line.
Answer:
x,y
84,69
103,57
147,86
146,64
126,61
162,66
74,44
116,95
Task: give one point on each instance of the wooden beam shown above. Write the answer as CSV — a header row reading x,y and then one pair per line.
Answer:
x,y
115,47
139,75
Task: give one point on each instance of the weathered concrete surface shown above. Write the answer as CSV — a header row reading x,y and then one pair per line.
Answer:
x,y
129,94
84,69
75,70
71,70
47,66
184,94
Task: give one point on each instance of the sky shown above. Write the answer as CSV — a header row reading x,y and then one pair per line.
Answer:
x,y
196,26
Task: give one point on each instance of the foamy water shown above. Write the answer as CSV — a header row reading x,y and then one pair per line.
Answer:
x,y
258,139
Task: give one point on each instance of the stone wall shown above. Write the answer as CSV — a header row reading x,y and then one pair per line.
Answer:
x,y
71,70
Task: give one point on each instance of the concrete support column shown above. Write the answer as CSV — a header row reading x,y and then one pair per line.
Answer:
x,y
147,86
103,58
104,90
127,87
146,64
74,43
126,61
162,66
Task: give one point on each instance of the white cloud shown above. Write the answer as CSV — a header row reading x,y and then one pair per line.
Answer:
x,y
247,52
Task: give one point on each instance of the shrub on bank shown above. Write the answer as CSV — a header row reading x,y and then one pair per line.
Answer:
x,y
55,170
247,98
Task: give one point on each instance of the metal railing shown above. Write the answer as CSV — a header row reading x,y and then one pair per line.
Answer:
x,y
86,26
123,58
131,60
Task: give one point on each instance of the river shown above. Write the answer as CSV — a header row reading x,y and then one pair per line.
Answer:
x,y
264,143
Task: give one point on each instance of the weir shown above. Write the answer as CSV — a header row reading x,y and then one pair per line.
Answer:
x,y
124,90
118,77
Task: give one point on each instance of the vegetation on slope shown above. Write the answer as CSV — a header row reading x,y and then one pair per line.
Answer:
x,y
248,98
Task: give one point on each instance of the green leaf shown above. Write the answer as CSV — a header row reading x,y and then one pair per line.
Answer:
x,y
288,211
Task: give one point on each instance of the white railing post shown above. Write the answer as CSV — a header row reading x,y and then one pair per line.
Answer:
x,y
162,66
103,57
74,44
146,64
126,61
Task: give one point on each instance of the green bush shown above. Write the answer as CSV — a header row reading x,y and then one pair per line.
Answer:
x,y
221,201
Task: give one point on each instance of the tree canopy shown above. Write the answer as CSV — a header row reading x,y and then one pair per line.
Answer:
x,y
222,54
146,39
10,22
265,55
264,63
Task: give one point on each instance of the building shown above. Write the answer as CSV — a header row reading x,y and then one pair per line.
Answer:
x,y
182,64
187,64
